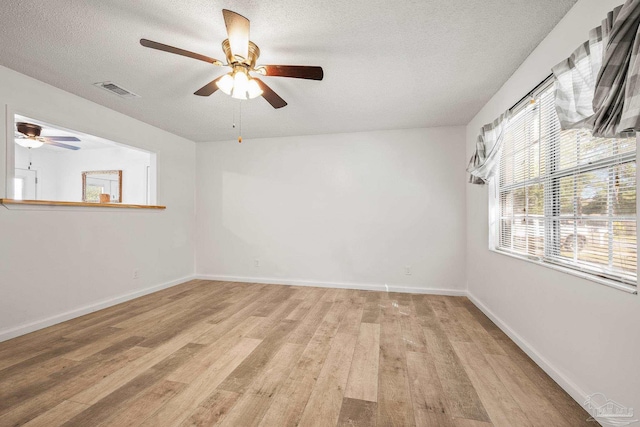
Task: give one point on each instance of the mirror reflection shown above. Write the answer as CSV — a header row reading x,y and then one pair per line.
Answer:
x,y
102,186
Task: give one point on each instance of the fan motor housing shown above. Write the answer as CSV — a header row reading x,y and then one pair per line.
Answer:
x,y
254,54
29,129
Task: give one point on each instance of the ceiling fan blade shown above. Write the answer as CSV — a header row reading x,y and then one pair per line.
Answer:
x,y
209,88
63,138
271,97
295,71
59,144
238,32
178,51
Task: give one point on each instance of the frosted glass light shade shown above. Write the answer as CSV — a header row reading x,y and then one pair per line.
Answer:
x,y
225,84
240,85
253,89
29,143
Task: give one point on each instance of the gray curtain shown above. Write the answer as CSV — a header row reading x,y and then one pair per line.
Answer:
x,y
486,160
598,86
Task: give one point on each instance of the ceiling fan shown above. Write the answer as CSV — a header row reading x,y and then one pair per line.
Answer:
x,y
241,55
28,136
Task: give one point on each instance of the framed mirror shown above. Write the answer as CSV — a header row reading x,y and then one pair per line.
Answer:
x,y
102,186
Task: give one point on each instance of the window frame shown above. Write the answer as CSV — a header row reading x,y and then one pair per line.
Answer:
x,y
494,213
67,124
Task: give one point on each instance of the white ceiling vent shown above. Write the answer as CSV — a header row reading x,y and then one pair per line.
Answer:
x,y
114,88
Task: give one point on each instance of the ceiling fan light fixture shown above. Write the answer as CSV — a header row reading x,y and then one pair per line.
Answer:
x,y
29,142
242,55
253,89
225,84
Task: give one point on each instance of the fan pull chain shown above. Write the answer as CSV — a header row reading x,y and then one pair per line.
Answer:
x,y
240,123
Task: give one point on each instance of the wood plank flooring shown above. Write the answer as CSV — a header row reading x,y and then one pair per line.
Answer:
x,y
239,354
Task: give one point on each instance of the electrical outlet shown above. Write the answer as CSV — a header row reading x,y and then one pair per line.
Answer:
x,y
136,274
256,262
407,270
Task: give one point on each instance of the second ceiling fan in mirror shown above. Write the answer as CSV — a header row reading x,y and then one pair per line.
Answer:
x,y
241,56
28,135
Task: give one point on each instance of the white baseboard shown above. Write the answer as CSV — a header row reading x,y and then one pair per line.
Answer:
x,y
71,314
360,286
569,386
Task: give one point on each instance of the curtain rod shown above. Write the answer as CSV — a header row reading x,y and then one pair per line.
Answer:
x,y
531,91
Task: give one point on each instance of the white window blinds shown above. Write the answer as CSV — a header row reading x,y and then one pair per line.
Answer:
x,y
566,197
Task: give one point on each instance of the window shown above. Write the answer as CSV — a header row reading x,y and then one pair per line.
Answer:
x,y
566,197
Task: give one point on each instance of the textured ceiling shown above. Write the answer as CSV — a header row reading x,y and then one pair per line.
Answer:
x,y
388,64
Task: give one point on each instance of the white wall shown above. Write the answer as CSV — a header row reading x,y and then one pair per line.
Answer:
x,y
57,263
45,163
60,172
584,334
344,210
132,163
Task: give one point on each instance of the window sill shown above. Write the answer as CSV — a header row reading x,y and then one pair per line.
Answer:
x,y
607,282
34,204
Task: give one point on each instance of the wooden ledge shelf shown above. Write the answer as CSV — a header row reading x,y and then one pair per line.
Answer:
x,y
11,202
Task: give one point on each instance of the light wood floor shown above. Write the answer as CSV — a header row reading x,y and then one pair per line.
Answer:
x,y
237,354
